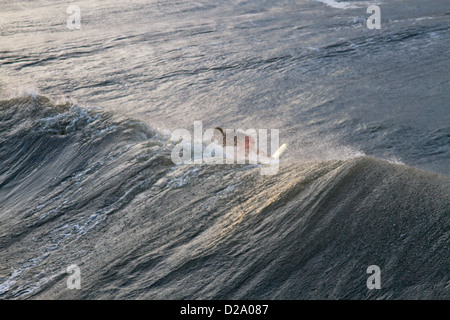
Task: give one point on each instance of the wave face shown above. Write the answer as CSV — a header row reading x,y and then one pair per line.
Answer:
x,y
311,69
86,187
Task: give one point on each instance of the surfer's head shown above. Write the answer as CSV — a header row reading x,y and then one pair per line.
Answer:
x,y
234,138
224,136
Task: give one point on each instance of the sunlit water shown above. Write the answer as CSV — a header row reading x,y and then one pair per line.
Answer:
x,y
311,69
86,176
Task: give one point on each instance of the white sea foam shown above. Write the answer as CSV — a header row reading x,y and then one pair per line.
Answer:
x,y
344,5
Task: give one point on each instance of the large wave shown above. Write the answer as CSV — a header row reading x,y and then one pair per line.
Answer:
x,y
86,187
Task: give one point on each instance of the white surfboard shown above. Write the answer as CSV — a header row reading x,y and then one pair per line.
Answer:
x,y
279,153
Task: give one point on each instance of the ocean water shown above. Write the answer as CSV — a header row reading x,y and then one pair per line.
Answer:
x,y
86,174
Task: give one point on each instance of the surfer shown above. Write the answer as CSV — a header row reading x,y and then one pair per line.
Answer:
x,y
244,143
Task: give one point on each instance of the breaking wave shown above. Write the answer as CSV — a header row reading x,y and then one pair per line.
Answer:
x,y
86,187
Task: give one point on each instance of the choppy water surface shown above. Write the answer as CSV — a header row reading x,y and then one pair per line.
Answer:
x,y
86,176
